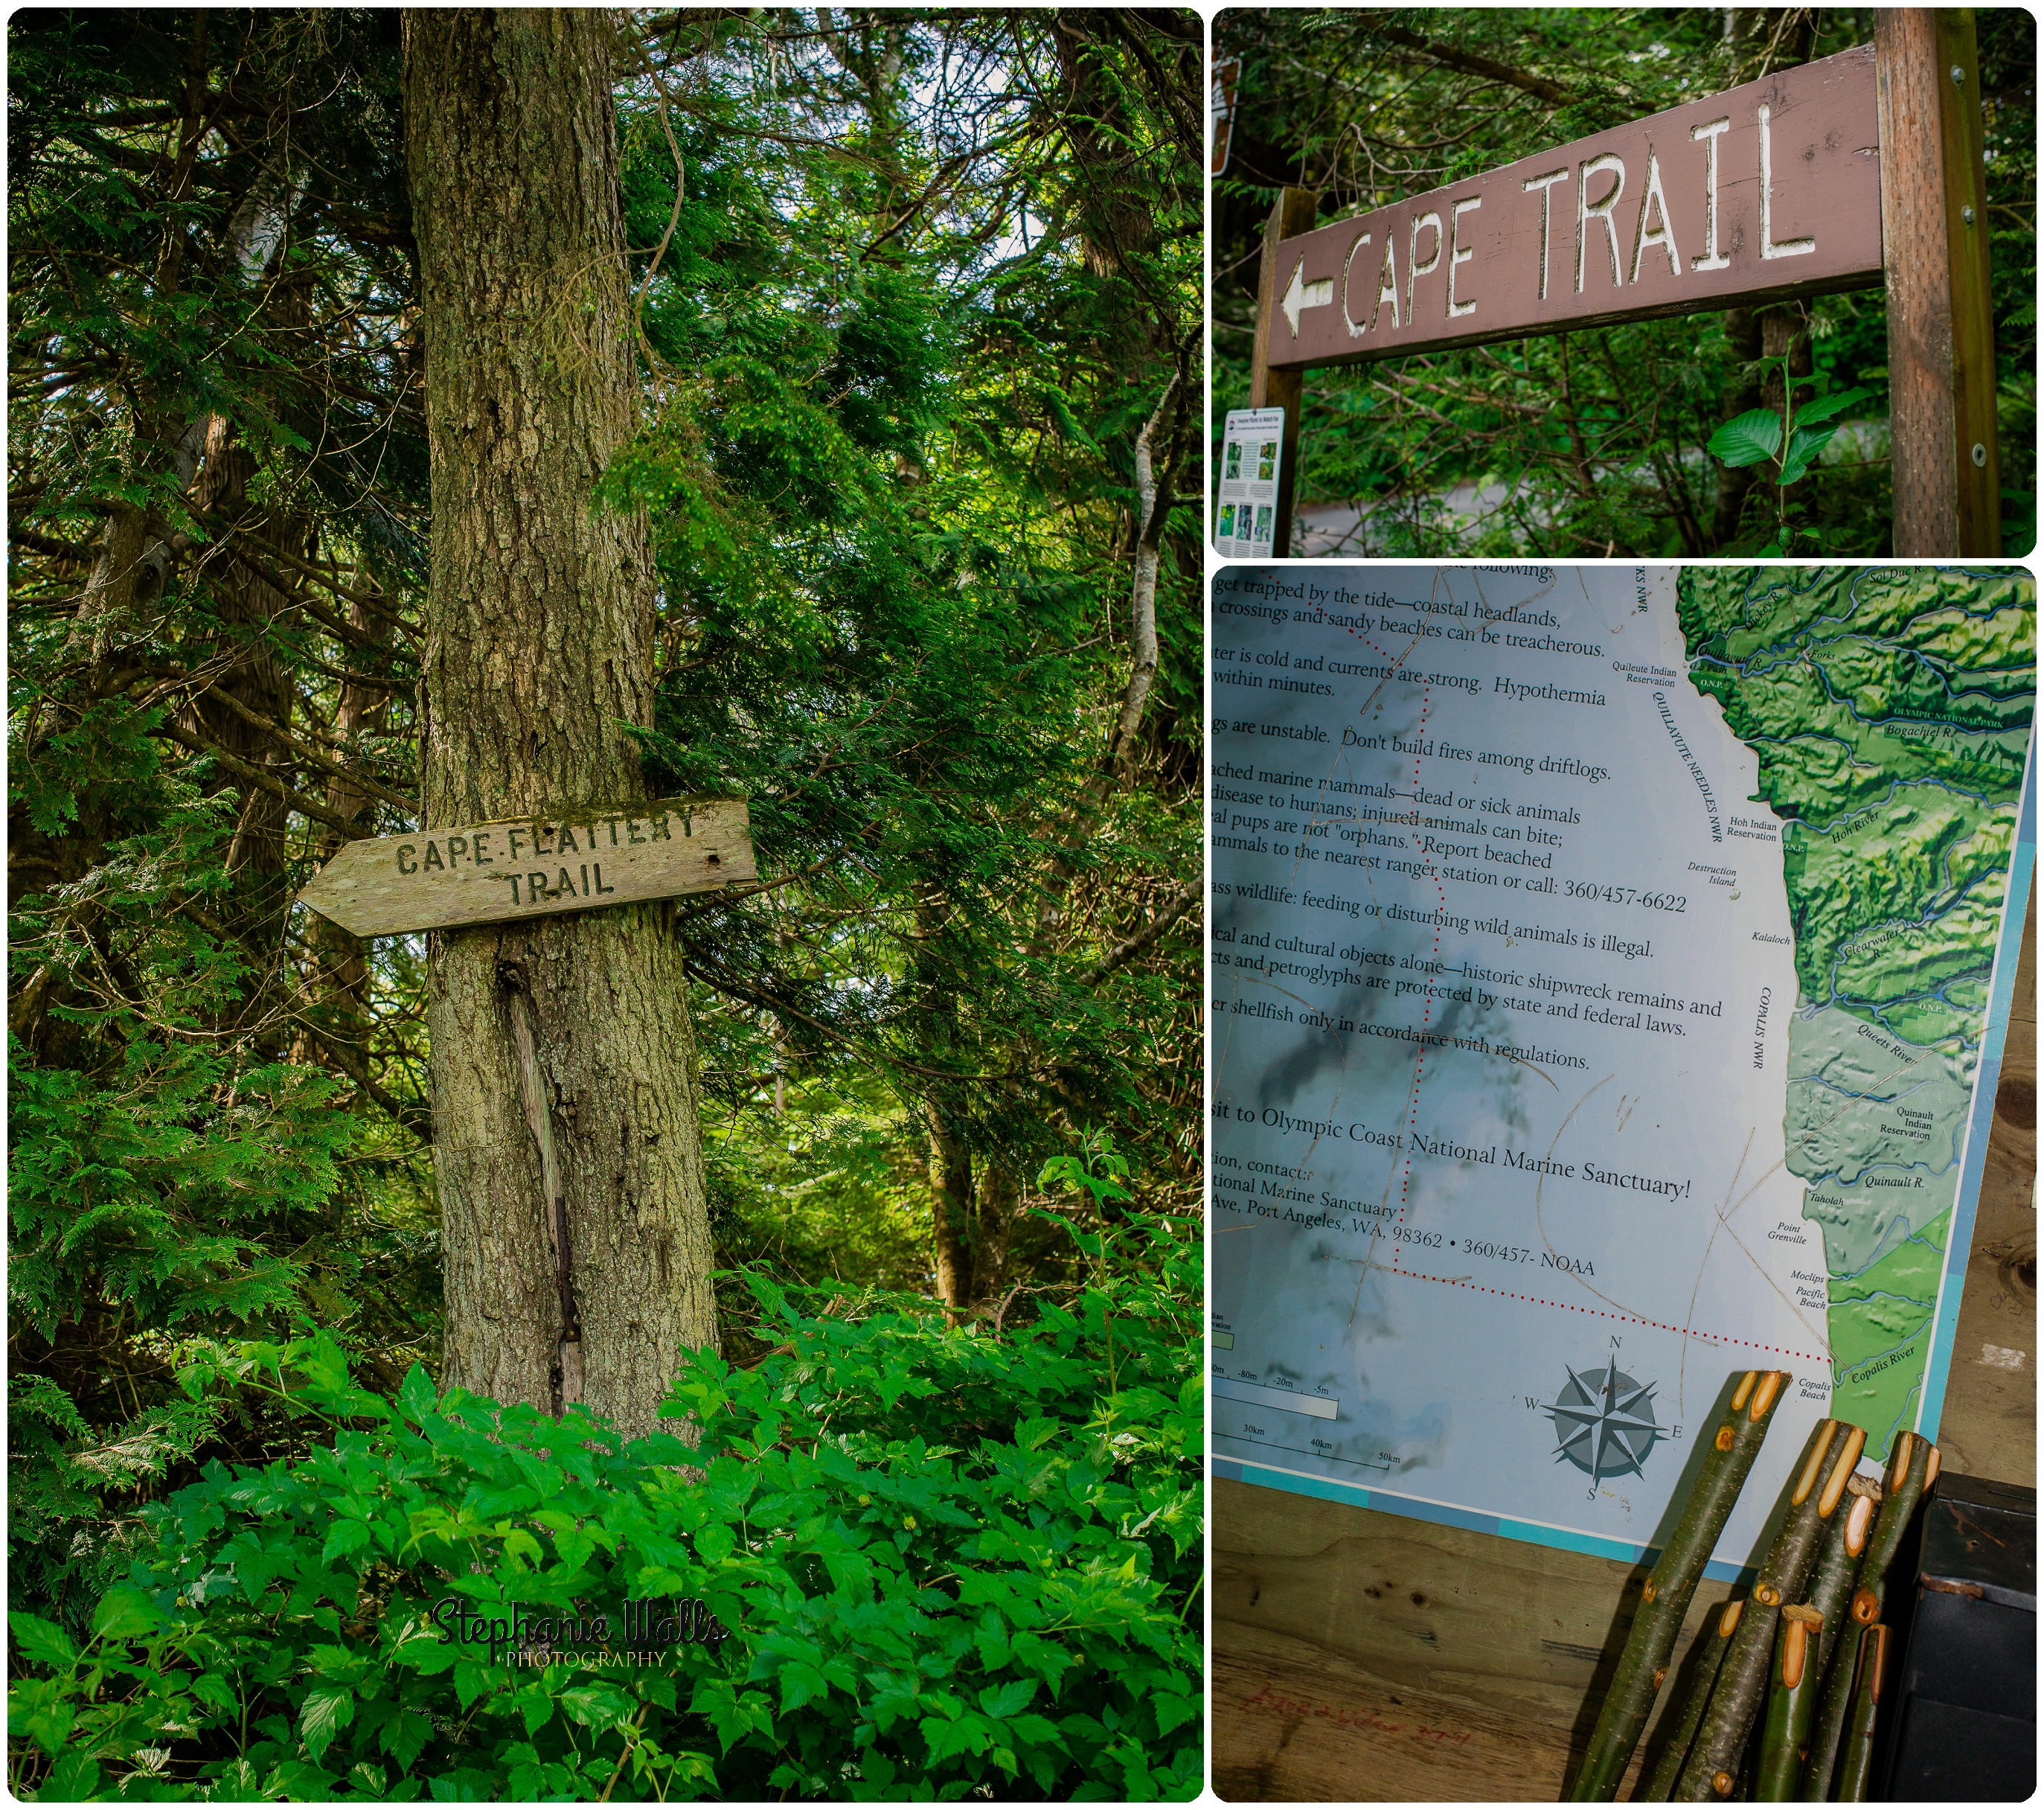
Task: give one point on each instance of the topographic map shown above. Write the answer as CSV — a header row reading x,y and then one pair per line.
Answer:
x,y
1609,967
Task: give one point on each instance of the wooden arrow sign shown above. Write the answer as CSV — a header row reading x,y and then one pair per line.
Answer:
x,y
1769,191
443,879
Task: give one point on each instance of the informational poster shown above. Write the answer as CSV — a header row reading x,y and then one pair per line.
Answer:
x,y
1246,527
1610,968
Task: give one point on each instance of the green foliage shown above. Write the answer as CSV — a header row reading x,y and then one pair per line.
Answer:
x,y
887,475
949,1561
1791,437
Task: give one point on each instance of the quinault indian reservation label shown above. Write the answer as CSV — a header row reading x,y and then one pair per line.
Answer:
x,y
1610,970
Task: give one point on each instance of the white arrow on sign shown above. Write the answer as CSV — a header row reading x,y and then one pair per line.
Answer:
x,y
1301,296
534,867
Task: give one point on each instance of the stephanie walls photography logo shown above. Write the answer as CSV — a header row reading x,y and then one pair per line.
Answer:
x,y
650,1627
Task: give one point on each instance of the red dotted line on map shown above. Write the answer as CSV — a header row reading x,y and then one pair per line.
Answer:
x,y
1607,1314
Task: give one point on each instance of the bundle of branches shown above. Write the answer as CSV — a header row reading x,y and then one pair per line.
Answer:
x,y
1779,1679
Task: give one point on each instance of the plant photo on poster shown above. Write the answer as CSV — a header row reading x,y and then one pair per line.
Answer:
x,y
606,756
1581,282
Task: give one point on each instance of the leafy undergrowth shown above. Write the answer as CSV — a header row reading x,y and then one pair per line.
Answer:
x,y
952,1564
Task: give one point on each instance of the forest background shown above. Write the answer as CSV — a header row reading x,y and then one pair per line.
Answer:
x,y
1591,444
917,300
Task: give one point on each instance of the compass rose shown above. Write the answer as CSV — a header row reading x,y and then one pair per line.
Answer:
x,y
1604,1423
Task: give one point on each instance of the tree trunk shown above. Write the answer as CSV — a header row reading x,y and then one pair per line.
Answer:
x,y
999,1195
951,1213
339,979
1735,482
573,1217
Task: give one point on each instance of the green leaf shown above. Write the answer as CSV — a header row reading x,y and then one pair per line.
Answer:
x,y
321,1361
73,1778
429,1657
347,1536
1033,1434
946,1739
124,1613
404,1736
800,1683
1803,447
1747,439
327,1710
1172,1710
42,1642
536,1707
1822,407
416,1396
595,1706
1010,1699
36,1709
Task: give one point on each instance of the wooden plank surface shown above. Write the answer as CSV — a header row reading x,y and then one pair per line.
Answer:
x,y
1363,1657
1768,190
574,860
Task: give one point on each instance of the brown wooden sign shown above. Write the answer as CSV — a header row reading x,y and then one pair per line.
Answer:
x,y
1771,190
443,879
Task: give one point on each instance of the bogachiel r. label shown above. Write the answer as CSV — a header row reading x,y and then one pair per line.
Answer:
x,y
543,842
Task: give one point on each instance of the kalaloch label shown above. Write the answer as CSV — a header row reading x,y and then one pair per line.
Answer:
x,y
1773,189
443,879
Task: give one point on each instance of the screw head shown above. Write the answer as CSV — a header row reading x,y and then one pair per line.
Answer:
x,y
1966,214
1958,75
1979,454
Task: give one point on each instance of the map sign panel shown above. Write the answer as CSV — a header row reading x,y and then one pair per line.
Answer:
x,y
1609,972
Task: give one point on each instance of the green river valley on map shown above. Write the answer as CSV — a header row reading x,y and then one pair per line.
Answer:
x,y
1890,709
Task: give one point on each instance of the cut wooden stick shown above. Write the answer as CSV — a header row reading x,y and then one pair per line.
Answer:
x,y
1664,1599
1715,1639
1911,1468
1813,1492
1837,1572
1856,1764
1789,1701
1838,1564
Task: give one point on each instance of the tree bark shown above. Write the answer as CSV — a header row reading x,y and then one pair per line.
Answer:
x,y
951,1213
340,977
1735,482
1000,1197
565,1128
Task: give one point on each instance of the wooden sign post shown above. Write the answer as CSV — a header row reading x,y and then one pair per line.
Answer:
x,y
1270,388
1776,190
446,879
1946,470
